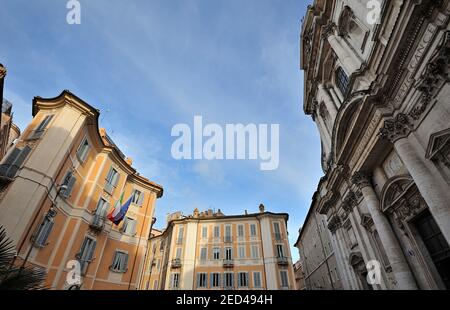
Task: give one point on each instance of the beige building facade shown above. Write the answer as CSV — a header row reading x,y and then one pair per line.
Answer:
x,y
211,251
378,91
58,184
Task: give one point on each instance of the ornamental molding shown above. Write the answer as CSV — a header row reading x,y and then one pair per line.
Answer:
x,y
396,128
350,201
361,179
436,74
328,30
334,224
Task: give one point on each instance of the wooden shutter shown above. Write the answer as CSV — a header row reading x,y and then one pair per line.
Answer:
x,y
8,162
41,128
141,199
14,168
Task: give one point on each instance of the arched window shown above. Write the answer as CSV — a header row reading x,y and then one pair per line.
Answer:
x,y
342,81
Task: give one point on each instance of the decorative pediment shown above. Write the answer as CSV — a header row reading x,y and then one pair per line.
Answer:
x,y
394,190
438,143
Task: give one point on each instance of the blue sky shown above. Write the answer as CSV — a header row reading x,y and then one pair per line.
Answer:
x,y
148,65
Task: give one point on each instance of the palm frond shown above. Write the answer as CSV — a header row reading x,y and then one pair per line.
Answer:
x,y
13,277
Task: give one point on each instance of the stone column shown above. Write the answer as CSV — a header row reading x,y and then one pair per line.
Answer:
x,y
435,193
400,268
329,102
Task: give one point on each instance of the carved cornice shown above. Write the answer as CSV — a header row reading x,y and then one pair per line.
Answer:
x,y
361,179
334,224
350,201
328,30
3,72
396,128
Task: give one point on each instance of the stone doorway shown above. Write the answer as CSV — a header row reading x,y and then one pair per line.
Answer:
x,y
436,245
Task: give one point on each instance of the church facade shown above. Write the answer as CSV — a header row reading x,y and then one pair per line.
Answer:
x,y
379,92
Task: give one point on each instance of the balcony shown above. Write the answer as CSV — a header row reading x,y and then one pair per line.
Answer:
x,y
176,263
228,263
282,261
98,222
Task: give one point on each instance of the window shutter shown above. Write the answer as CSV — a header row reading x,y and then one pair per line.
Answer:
x,y
91,250
116,179
4,167
211,280
141,200
198,280
14,168
40,129
46,231
125,262
70,183
218,279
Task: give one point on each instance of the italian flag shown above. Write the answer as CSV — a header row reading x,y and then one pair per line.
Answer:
x,y
115,212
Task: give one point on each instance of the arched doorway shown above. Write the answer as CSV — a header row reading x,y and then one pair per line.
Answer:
x,y
406,208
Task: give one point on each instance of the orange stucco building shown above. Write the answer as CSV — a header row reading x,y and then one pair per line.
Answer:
x,y
212,251
57,185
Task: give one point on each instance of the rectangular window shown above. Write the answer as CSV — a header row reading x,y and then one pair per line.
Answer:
x,y
83,150
98,220
86,253
284,279
180,235
276,229
216,232
14,161
203,254
216,253
243,279
178,253
256,279
40,129
241,250
280,251
68,183
255,251
43,232
111,180
240,230
129,226
229,280
342,81
120,262
228,253
138,198
253,230
204,232
214,280
201,280
175,280
228,233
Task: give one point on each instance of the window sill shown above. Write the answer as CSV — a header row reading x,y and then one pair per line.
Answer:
x,y
118,271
